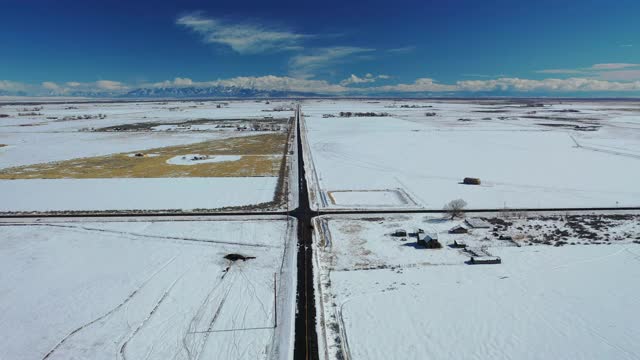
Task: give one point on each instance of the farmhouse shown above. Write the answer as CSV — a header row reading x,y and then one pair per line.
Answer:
x,y
429,240
477,223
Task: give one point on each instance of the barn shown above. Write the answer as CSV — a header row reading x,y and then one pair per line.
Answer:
x,y
477,223
429,240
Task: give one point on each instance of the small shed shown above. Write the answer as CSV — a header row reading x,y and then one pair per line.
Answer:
x,y
471,181
399,233
478,260
429,240
458,230
477,223
458,245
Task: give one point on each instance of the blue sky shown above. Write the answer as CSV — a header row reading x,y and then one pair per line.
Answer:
x,y
554,47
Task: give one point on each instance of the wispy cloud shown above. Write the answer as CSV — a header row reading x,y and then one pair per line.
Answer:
x,y
593,69
560,71
613,66
620,75
309,64
603,71
244,38
402,50
484,75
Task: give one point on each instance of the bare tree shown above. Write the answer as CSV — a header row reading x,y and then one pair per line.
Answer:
x,y
455,208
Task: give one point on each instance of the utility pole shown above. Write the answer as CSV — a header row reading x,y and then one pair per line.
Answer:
x,y
275,302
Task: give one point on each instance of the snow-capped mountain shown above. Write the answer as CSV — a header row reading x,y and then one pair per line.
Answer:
x,y
213,91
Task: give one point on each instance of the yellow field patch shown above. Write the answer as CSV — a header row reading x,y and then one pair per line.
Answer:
x,y
262,155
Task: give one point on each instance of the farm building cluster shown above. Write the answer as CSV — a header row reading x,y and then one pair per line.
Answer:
x,y
430,240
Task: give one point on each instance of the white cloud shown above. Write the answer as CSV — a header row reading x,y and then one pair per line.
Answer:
x,y
110,85
7,85
175,82
267,82
550,85
419,85
513,84
284,83
244,38
619,82
50,85
306,65
100,86
367,78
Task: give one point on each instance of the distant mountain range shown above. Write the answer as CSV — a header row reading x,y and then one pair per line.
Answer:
x,y
211,92
175,92
193,92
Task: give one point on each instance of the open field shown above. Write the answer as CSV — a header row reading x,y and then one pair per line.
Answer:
x,y
377,293
138,289
525,154
259,155
180,155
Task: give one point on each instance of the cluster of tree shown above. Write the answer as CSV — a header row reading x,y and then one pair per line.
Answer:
x,y
85,117
30,114
455,208
282,108
256,126
415,106
362,114
430,114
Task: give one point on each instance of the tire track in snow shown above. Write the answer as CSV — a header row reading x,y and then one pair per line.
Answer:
x,y
188,347
123,348
86,228
212,322
110,312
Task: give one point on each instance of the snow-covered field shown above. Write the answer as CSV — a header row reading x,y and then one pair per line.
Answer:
x,y
560,155
117,289
134,194
384,297
47,133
